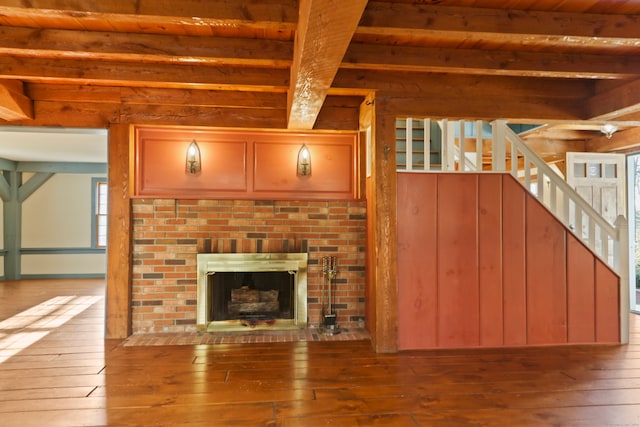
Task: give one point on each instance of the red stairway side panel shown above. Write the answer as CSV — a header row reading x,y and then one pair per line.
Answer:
x,y
481,263
490,260
457,258
514,270
417,297
580,292
607,305
546,277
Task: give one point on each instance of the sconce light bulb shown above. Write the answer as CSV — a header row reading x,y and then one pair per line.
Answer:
x,y
304,161
193,164
192,153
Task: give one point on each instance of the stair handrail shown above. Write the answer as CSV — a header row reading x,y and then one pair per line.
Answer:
x,y
595,221
616,233
575,213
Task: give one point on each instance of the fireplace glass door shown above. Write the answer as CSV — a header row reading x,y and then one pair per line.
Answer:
x,y
252,296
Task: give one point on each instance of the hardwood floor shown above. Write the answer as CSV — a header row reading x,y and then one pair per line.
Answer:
x,y
56,370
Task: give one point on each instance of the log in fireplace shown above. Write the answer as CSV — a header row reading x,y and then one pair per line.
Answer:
x,y
257,291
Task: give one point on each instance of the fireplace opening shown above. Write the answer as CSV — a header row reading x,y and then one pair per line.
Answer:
x,y
261,291
252,295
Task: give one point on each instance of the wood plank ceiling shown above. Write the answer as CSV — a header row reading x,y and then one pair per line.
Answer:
x,y
309,64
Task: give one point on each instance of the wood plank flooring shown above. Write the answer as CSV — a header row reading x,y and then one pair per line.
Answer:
x,y
56,370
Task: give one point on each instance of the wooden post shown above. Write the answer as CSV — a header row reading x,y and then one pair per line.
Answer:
x,y
382,295
621,255
499,148
12,219
118,305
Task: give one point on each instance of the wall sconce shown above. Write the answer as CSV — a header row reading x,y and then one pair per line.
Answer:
x,y
608,129
304,161
192,164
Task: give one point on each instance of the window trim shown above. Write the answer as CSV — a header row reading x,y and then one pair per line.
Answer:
x,y
95,182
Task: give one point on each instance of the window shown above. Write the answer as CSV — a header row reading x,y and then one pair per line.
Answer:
x,y
99,233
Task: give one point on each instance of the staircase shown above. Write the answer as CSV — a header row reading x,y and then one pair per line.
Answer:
x,y
424,145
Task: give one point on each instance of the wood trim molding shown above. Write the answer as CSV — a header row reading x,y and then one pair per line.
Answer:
x,y
118,304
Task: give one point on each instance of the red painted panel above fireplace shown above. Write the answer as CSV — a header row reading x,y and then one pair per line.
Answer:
x,y
244,164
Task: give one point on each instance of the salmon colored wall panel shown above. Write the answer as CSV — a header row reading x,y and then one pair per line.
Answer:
x,y
458,311
244,164
546,276
580,292
332,168
161,162
490,259
607,305
417,297
513,264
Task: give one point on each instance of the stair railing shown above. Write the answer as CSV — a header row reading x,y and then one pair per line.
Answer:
x,y
602,237
510,154
610,242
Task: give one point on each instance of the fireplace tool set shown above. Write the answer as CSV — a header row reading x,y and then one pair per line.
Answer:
x,y
329,324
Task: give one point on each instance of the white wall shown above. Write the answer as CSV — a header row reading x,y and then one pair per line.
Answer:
x,y
58,216
65,264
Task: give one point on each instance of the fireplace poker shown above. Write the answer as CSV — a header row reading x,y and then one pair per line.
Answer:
x,y
329,270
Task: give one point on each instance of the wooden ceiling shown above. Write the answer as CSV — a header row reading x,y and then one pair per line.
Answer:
x,y
309,64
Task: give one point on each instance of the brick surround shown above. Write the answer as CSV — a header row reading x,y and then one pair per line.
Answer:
x,y
169,233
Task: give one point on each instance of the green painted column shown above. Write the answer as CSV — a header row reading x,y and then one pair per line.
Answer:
x,y
12,222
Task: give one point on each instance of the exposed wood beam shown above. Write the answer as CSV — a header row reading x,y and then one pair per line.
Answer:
x,y
5,189
203,116
80,114
145,75
214,17
14,104
98,115
626,141
438,95
549,148
497,62
503,26
62,167
325,29
437,84
619,103
476,107
157,96
32,184
7,165
149,48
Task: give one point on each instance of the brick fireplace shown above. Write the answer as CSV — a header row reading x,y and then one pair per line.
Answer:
x,y
168,235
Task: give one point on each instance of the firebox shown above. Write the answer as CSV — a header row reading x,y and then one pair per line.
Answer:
x,y
251,291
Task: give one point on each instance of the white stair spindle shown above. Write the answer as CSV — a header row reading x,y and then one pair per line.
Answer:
x,y
461,157
540,182
444,145
479,143
408,137
427,144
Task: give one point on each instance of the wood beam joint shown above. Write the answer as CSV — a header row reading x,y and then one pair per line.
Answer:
x,y
14,104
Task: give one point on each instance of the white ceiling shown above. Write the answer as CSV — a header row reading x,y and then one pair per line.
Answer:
x,y
40,144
